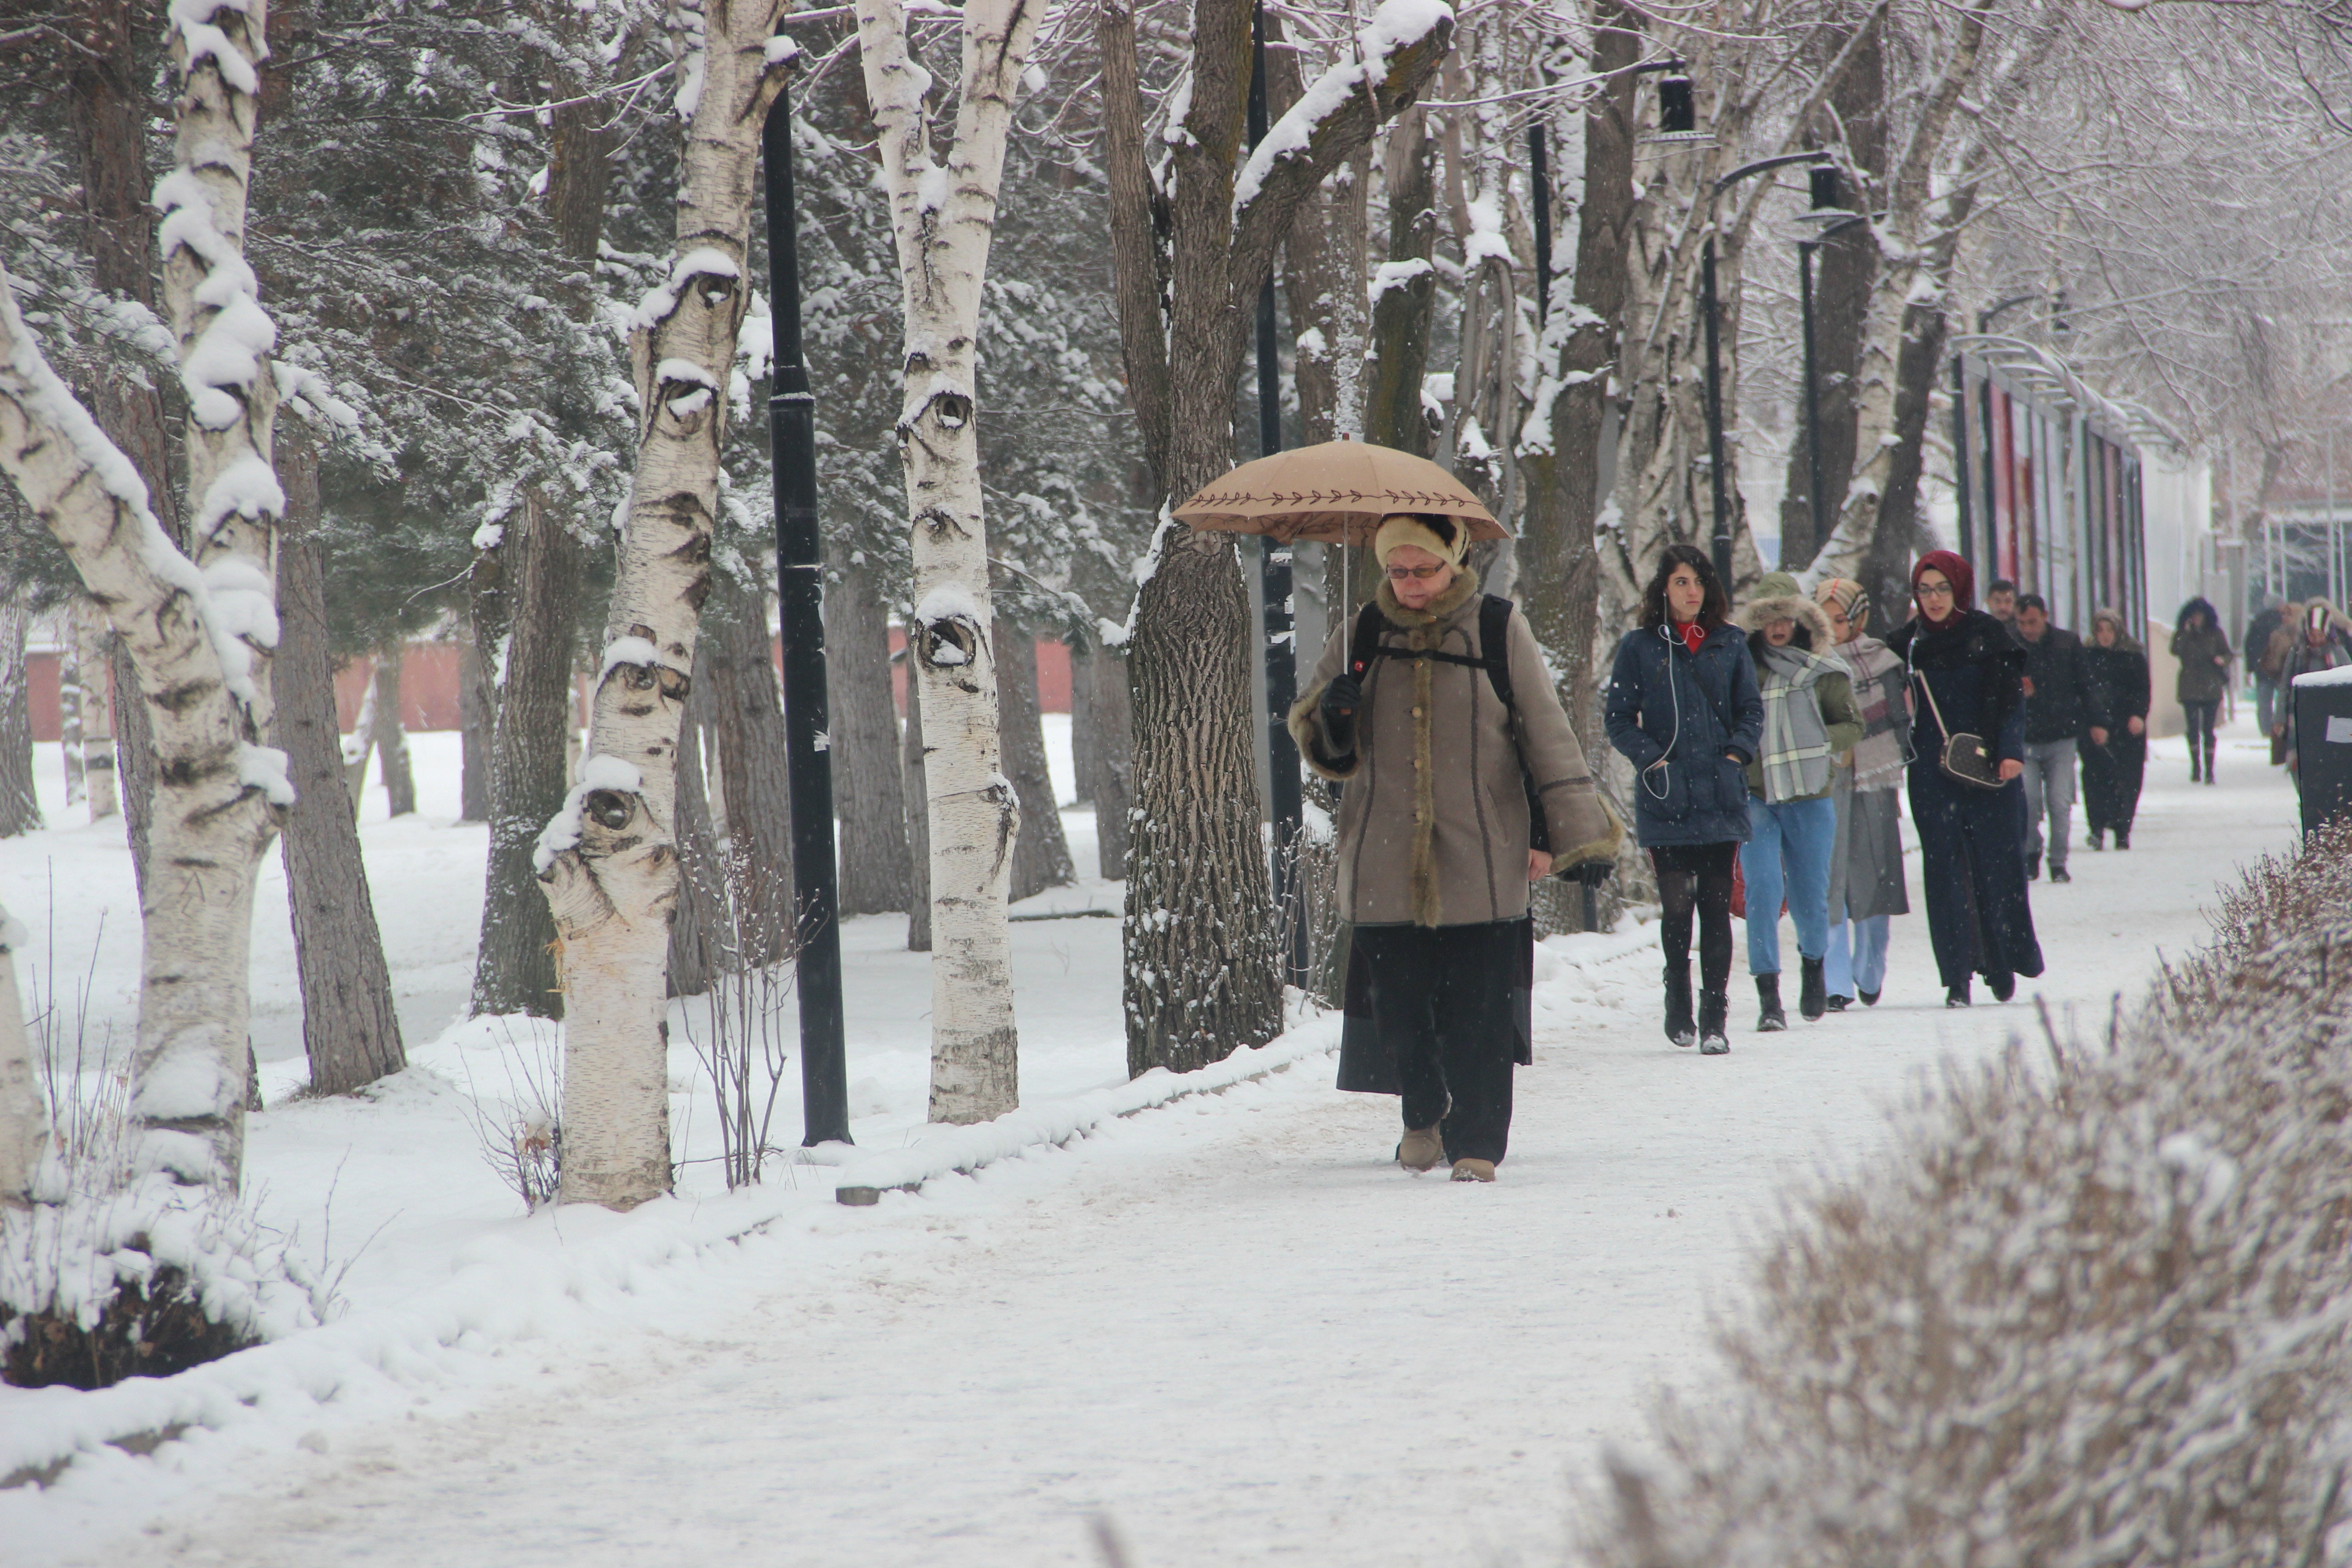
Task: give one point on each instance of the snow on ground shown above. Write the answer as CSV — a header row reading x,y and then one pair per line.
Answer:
x,y
1229,1326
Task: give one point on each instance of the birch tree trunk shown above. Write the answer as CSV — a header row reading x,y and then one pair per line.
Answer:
x,y
538,567
351,1031
20,806
69,704
24,1122
1040,855
914,784
90,637
700,936
942,219
390,735
866,794
608,860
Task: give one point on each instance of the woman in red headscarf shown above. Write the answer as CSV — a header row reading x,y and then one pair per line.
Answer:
x,y
1966,675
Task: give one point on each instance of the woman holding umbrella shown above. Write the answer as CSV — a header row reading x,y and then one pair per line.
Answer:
x,y
1967,677
2115,740
1433,709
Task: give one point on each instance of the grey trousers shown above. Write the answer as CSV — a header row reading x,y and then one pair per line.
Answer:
x,y
2049,787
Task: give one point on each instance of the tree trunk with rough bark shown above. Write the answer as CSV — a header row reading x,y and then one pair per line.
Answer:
x,y
1041,854
942,218
476,723
912,780
515,967
865,765
70,705
20,805
1200,950
351,1031
480,669
24,1120
392,735
359,747
1111,757
747,707
1406,302
94,643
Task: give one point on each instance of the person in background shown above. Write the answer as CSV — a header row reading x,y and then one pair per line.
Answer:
x,y
2000,602
2271,619
2114,729
2321,646
1445,781
1967,677
2053,724
1866,866
2274,656
1683,708
2203,649
1809,723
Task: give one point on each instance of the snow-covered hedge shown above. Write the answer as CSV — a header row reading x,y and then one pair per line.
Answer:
x,y
2093,1309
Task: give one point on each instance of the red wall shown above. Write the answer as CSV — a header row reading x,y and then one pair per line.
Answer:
x,y
429,685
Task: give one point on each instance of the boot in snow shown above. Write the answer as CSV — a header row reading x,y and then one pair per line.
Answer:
x,y
2002,986
2033,866
1957,996
1811,988
1869,998
1423,1150
1768,1016
2123,837
1680,1029
2208,762
1473,1169
1714,1010
2196,774
2098,838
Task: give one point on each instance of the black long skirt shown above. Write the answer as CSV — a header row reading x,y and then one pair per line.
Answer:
x,y
2112,775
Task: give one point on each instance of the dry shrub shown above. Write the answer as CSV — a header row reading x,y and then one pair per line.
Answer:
x,y
2092,1309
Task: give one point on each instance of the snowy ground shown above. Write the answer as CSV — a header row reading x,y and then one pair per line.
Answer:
x,y
1229,1326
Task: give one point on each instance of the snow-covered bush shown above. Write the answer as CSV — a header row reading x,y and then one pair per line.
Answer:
x,y
2092,1309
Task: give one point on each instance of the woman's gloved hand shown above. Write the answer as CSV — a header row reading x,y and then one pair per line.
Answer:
x,y
1341,699
1590,873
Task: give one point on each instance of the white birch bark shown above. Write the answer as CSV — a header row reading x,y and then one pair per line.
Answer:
x,y
199,628
943,218
70,687
24,1123
89,634
608,862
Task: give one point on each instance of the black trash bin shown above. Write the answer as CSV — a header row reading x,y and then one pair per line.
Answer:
x,y
2323,744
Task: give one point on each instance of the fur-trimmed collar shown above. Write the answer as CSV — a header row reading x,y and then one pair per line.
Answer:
x,y
1458,593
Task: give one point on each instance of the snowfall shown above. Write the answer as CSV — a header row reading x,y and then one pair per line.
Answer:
x,y
1178,1321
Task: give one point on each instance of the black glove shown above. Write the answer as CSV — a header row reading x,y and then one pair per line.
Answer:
x,y
1591,873
1341,699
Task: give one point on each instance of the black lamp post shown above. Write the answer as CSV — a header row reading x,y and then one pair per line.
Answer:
x,y
1275,587
1712,313
1823,181
800,601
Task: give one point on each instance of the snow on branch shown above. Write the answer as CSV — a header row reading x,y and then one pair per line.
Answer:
x,y
1397,24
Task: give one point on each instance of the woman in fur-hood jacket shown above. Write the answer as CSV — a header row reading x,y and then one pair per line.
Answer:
x,y
1683,708
1461,781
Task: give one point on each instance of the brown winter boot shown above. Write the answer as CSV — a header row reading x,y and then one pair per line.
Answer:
x,y
1423,1150
1473,1169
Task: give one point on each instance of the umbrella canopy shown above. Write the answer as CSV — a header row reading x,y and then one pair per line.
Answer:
x,y
1337,492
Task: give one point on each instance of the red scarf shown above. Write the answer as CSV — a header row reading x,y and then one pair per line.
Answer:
x,y
1694,635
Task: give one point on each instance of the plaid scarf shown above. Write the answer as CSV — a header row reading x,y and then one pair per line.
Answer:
x,y
1878,677
1796,758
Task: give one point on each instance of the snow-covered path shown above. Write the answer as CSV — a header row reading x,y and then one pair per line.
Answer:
x,y
1229,1326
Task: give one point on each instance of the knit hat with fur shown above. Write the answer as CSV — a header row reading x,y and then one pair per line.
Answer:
x,y
1403,528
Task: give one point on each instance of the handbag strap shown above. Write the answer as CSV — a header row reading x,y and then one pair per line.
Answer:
x,y
1929,688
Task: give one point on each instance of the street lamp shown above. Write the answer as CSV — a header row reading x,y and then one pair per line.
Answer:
x,y
1713,314
1832,217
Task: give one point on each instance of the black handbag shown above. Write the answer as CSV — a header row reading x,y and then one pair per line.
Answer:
x,y
1966,757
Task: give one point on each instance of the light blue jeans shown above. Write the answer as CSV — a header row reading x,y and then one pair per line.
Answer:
x,y
1858,962
1788,854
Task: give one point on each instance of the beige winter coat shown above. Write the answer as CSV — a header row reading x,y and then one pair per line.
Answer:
x,y
1433,825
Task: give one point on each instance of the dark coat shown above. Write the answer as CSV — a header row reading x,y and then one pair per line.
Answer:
x,y
2054,710
1663,701
2202,680
2115,686
1976,670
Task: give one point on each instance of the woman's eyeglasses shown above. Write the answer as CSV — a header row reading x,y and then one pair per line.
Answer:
x,y
1934,590
1420,573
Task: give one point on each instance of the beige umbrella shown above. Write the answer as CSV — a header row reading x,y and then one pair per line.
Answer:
x,y
1337,492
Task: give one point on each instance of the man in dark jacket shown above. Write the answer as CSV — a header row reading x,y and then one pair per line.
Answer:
x,y
2054,720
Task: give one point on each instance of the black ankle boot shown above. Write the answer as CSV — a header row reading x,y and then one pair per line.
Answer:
x,y
1813,989
1768,1016
1957,996
1714,1012
1680,1029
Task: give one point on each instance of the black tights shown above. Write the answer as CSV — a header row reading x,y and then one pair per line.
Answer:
x,y
1696,878
2200,732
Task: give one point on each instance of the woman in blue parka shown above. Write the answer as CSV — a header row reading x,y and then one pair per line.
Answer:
x,y
1683,708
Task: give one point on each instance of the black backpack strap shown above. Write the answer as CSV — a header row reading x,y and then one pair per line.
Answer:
x,y
1494,647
